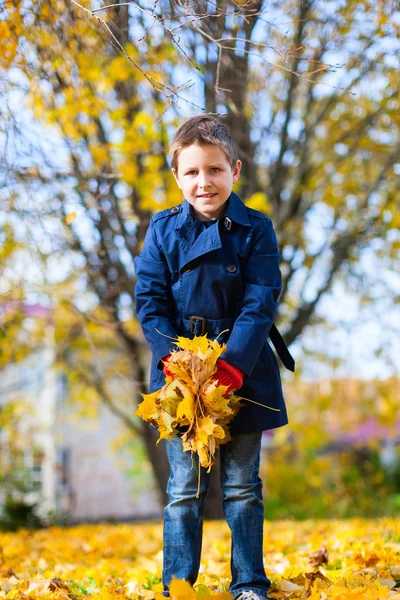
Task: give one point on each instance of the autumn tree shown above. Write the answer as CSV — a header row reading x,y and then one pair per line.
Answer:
x,y
310,93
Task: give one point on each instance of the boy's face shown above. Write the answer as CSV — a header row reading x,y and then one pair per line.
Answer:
x,y
206,178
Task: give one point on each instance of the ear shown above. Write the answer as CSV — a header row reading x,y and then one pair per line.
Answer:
x,y
175,174
236,171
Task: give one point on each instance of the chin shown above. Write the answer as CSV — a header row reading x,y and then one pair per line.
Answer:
x,y
210,207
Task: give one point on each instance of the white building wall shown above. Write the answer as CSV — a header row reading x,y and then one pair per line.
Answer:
x,y
33,382
96,485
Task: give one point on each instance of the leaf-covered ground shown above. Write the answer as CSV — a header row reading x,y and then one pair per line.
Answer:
x,y
357,559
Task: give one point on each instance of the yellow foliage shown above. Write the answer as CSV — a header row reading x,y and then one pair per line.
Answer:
x,y
100,155
259,201
182,590
318,559
8,46
70,217
148,408
186,407
129,172
120,69
191,398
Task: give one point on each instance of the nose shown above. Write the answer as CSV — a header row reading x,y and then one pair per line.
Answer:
x,y
203,180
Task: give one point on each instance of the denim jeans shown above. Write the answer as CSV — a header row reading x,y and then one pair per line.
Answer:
x,y
242,505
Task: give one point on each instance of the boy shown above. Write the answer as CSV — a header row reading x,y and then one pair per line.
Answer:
x,y
208,265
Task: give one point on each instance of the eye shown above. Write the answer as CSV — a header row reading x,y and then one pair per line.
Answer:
x,y
191,172
215,169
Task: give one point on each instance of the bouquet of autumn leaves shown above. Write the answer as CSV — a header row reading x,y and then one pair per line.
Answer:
x,y
193,399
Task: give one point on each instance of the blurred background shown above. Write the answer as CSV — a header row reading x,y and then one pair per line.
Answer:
x,y
90,96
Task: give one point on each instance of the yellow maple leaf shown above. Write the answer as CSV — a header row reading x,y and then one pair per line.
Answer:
x,y
206,428
169,397
147,409
181,590
186,407
202,346
192,398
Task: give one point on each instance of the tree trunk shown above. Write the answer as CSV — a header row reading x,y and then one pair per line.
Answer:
x,y
159,460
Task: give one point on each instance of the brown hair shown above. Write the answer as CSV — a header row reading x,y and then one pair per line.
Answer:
x,y
202,129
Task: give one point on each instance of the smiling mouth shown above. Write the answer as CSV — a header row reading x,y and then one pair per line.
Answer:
x,y
207,195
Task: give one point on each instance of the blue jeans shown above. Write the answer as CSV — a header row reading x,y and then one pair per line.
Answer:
x,y
242,505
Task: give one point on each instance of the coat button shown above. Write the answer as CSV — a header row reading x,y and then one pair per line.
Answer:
x,y
231,268
174,209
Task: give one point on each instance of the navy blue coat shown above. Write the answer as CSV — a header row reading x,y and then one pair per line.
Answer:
x,y
227,277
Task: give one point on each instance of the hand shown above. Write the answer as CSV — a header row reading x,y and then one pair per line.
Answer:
x,y
165,368
228,375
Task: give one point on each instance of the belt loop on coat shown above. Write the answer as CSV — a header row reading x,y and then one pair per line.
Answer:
x,y
203,323
227,223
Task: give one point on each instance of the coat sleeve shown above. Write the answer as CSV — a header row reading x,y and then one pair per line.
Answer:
x,y
262,281
153,297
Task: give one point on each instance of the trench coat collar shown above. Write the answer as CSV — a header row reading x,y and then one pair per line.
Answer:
x,y
235,210
210,238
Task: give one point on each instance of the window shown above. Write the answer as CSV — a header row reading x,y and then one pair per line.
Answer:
x,y
33,462
65,466
62,389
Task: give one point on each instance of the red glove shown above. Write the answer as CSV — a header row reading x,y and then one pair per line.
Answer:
x,y
165,368
228,375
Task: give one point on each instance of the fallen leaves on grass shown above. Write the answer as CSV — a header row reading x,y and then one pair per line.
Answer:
x,y
358,559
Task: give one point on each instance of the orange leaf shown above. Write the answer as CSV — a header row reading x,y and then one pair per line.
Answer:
x,y
70,217
181,590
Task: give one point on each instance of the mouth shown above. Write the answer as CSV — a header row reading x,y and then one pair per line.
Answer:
x,y
206,195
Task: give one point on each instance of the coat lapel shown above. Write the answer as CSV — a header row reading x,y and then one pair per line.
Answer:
x,y
210,238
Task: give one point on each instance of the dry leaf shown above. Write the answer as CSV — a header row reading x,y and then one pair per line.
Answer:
x,y
319,557
48,585
70,217
181,590
388,583
193,400
286,552
288,586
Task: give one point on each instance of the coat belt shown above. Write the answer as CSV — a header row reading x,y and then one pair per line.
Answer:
x,y
199,325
